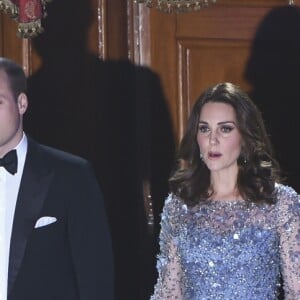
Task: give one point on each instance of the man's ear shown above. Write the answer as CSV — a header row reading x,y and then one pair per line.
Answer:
x,y
22,103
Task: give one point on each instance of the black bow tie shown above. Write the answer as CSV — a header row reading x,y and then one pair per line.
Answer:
x,y
10,161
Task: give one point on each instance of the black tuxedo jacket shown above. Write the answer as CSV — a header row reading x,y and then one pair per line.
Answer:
x,y
71,258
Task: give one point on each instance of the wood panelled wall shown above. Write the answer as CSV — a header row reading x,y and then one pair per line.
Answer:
x,y
107,34
192,51
189,51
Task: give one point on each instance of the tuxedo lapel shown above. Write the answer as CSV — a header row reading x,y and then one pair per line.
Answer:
x,y
33,189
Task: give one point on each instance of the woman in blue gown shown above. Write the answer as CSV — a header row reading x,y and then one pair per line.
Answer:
x,y
229,229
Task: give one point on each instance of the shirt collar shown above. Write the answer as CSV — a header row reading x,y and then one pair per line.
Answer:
x,y
21,149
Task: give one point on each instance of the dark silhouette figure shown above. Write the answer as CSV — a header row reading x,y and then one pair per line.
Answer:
x,y
273,70
113,113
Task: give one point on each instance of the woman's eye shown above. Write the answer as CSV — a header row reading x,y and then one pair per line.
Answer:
x,y
226,129
203,128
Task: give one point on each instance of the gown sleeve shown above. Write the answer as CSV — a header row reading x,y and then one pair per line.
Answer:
x,y
168,285
289,230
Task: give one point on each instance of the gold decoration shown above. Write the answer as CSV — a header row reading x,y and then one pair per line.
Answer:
x,y
27,13
9,8
30,29
177,5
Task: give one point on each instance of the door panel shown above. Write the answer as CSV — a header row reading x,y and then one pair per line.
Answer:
x,y
191,51
206,62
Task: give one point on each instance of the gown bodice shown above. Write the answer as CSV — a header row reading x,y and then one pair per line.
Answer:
x,y
228,250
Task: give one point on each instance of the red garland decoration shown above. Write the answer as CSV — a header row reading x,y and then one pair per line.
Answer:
x,y
28,15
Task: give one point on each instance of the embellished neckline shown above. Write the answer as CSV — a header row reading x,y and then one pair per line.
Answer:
x,y
213,203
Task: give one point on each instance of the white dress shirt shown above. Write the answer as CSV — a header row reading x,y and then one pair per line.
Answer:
x,y
9,188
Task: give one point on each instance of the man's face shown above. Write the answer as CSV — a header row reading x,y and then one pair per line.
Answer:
x,y
11,115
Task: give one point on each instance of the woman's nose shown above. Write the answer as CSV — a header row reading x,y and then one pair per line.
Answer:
x,y
213,139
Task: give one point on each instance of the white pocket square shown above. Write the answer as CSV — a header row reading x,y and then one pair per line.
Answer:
x,y
44,221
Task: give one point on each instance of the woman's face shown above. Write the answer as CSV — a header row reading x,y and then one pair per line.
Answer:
x,y
218,137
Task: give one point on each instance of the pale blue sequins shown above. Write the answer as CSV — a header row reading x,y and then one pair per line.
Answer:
x,y
230,250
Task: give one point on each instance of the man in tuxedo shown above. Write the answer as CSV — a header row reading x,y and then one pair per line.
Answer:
x,y
54,237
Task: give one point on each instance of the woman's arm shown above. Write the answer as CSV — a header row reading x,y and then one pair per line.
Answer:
x,y
169,281
290,244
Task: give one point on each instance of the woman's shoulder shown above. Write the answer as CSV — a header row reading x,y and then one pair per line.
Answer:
x,y
174,205
284,190
288,205
174,214
287,196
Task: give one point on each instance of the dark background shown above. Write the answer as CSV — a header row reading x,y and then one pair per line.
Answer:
x,y
273,71
114,114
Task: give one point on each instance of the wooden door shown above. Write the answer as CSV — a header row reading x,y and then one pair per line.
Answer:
x,y
191,51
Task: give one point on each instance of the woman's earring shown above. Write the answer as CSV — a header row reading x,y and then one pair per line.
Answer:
x,y
201,156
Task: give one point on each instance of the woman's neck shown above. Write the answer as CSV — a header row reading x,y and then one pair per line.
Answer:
x,y
224,188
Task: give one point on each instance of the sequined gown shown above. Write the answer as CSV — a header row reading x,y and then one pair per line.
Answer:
x,y
230,250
